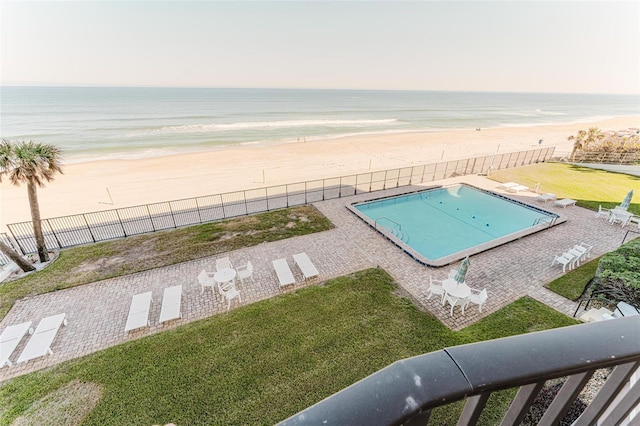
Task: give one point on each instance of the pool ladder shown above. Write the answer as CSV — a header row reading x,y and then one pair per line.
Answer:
x,y
395,229
545,219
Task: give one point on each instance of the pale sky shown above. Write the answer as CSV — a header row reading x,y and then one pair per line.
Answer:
x,y
512,46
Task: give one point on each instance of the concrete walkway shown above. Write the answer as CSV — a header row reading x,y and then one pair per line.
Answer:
x,y
97,312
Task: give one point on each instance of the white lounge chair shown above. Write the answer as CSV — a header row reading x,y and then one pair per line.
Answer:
x,y
305,265
223,263
245,272
285,276
546,197
229,291
138,311
478,297
9,340
206,280
518,188
435,287
42,338
564,259
171,301
508,185
564,203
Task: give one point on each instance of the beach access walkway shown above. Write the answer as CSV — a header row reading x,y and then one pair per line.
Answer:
x,y
97,312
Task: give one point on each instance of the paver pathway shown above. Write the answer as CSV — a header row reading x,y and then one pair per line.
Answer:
x,y
97,312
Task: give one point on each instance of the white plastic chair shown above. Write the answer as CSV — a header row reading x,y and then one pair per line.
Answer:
x,y
206,280
586,247
578,256
564,259
478,297
245,271
435,287
452,273
223,263
453,301
229,292
603,212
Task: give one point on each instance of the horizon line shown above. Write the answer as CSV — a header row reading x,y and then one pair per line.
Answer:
x,y
115,86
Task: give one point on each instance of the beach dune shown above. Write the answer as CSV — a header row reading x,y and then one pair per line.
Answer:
x,y
102,185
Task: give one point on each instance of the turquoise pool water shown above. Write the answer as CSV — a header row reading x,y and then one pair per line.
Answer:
x,y
443,225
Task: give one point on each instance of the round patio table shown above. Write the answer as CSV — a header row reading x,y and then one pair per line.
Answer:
x,y
224,275
458,292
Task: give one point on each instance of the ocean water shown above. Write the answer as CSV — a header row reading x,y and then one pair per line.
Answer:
x,y
90,123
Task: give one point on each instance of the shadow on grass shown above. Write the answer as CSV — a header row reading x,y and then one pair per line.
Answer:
x,y
593,205
582,169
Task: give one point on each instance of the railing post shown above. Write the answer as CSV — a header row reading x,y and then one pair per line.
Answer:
x,y
224,214
124,231
172,217
305,192
246,207
55,237
10,228
88,227
153,226
198,210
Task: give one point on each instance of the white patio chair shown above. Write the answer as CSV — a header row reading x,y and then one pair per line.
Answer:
x,y
229,292
586,247
478,297
455,301
578,256
435,287
603,212
223,263
564,259
245,271
618,215
206,280
582,252
452,273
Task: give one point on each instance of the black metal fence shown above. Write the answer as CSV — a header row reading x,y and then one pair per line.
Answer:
x,y
68,231
4,260
601,157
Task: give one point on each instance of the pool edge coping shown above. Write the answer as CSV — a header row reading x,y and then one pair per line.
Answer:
x,y
457,256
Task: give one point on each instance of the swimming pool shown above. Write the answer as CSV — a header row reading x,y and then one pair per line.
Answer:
x,y
445,224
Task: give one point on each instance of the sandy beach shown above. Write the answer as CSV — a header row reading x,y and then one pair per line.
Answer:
x,y
103,185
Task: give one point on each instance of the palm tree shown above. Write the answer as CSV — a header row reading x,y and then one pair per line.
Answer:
x,y
16,258
578,143
34,164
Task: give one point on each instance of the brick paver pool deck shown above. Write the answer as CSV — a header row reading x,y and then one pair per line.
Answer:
x,y
97,312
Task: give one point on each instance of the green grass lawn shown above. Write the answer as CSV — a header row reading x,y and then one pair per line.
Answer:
x,y
572,284
590,187
95,262
263,362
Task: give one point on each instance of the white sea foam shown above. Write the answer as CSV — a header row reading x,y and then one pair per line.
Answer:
x,y
142,122
262,125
